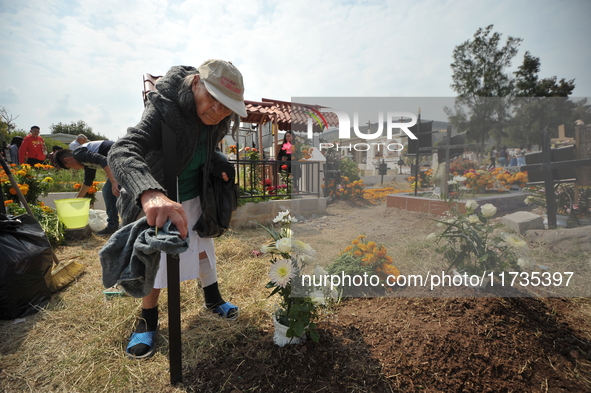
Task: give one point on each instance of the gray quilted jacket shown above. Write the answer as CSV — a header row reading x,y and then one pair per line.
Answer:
x,y
136,159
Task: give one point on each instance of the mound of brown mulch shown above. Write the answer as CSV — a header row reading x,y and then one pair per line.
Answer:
x,y
417,344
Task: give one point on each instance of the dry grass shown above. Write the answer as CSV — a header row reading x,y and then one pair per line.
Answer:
x,y
77,342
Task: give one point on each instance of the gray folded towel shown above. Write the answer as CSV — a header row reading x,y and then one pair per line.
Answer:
x,y
131,257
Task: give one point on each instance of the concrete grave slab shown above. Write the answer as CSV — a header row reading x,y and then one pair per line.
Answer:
x,y
522,221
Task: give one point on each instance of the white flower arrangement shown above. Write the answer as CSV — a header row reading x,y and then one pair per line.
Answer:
x,y
471,244
288,258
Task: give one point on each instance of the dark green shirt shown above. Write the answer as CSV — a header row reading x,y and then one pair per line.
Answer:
x,y
188,184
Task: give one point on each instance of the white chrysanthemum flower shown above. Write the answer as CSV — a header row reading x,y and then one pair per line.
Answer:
x,y
306,259
459,178
514,241
319,271
281,216
471,205
488,210
526,263
303,248
292,219
451,182
473,218
282,272
529,200
317,297
283,244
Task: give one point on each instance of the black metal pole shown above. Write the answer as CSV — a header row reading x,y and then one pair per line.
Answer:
x,y
175,352
447,159
548,179
417,170
174,319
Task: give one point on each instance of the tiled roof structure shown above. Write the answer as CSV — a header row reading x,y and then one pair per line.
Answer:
x,y
292,116
287,115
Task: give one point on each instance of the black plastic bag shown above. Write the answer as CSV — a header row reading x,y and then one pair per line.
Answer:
x,y
25,266
218,198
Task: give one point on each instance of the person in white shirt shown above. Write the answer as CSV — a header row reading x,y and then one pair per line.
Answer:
x,y
79,141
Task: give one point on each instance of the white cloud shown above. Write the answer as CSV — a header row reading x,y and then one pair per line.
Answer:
x,y
94,53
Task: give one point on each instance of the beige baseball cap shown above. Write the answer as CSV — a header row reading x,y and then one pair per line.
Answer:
x,y
224,82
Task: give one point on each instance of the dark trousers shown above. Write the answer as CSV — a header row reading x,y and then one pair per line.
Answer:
x,y
33,161
110,205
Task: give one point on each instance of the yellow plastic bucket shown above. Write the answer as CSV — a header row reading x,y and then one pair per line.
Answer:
x,y
73,212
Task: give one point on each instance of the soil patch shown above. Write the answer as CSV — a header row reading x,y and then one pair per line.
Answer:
x,y
460,344
417,344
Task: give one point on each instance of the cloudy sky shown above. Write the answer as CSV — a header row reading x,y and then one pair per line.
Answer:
x,y
64,61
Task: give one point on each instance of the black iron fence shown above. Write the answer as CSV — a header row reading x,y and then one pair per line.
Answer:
x,y
265,179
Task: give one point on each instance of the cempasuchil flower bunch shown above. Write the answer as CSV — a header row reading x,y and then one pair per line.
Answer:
x,y
363,257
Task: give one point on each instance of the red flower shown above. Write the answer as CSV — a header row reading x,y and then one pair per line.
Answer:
x,y
284,167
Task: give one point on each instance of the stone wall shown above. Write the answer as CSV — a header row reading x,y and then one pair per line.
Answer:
x,y
48,200
245,216
250,214
505,203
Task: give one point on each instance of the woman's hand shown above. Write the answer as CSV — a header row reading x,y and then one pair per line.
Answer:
x,y
159,208
115,188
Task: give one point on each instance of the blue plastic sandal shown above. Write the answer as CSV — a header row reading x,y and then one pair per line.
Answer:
x,y
227,311
146,338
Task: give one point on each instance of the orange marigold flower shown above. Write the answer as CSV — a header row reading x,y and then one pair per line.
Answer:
x,y
390,270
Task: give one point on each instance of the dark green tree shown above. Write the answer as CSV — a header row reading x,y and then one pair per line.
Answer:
x,y
528,84
540,103
480,73
76,128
